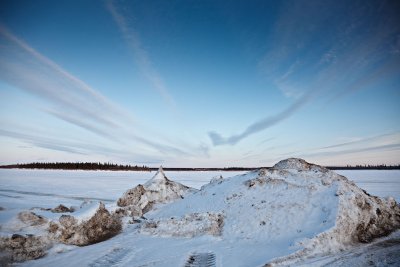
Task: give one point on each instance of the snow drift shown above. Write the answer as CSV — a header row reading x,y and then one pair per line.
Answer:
x,y
357,216
159,189
101,226
277,216
19,248
305,208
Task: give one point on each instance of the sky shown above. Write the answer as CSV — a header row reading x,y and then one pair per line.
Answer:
x,y
200,83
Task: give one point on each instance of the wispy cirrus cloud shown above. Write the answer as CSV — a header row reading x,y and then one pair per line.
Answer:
x,y
261,125
23,66
377,148
337,53
77,147
340,156
68,98
382,137
80,123
388,142
317,52
43,142
141,55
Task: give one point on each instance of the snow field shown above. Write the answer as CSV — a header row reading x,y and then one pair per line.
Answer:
x,y
265,215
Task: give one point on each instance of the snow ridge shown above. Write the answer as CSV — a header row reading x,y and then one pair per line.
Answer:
x,y
159,177
159,189
281,216
307,207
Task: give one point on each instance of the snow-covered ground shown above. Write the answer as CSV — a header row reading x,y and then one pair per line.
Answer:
x,y
381,183
98,184
146,246
26,189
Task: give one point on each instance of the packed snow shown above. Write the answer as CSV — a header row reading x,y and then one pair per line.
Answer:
x,y
159,189
295,213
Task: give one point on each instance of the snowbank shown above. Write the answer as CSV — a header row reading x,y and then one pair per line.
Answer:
x,y
188,226
19,248
101,226
307,207
159,189
279,216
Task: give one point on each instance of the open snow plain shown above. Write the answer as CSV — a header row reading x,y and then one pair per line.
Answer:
x,y
110,185
22,190
26,189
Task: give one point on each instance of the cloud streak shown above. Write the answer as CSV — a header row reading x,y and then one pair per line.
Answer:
x,y
43,142
76,89
388,147
263,124
80,123
74,147
23,66
69,98
141,56
364,140
313,58
379,143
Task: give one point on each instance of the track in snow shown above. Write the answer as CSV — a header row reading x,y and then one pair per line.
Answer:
x,y
201,260
52,195
112,258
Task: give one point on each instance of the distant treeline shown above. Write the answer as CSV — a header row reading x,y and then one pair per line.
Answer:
x,y
77,166
366,167
348,167
119,167
210,169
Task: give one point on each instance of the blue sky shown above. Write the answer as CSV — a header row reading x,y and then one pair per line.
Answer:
x,y
200,83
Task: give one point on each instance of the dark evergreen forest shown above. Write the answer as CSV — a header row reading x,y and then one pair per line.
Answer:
x,y
120,167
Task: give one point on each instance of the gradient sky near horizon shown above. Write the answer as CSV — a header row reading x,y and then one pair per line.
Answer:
x,y
200,83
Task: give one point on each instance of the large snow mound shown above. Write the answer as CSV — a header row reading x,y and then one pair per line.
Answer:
x,y
284,215
159,189
304,207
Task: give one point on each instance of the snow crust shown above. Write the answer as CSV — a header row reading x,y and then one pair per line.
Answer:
x,y
190,225
159,177
159,189
306,207
292,214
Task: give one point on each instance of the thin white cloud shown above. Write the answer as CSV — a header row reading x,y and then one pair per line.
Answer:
x,y
78,84
81,123
141,56
283,82
69,98
78,147
330,68
378,143
262,124
377,148
23,66
388,137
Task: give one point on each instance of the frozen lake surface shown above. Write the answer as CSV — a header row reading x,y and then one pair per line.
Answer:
x,y
24,189
36,189
110,185
381,183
